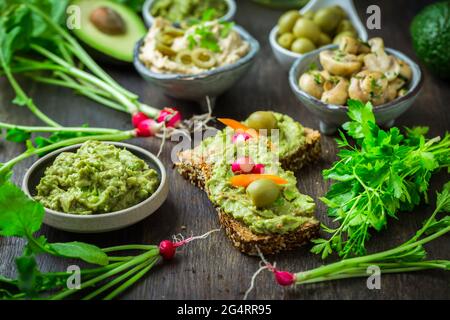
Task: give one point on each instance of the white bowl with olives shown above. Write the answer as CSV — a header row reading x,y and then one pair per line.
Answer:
x,y
319,23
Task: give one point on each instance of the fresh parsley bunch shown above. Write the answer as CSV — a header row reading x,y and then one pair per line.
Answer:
x,y
383,173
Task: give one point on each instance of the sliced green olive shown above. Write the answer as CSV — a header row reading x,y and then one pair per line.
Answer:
x,y
263,192
165,50
174,32
203,58
262,120
184,57
165,38
286,39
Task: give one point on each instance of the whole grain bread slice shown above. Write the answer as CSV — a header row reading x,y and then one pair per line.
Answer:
x,y
197,170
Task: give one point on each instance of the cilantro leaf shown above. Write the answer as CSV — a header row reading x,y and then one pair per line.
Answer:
x,y
19,215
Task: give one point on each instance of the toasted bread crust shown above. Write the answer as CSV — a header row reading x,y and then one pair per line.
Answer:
x,y
198,172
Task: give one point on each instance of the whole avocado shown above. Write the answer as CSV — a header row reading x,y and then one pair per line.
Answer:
x,y
430,32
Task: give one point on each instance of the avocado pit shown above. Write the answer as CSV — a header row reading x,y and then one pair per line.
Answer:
x,y
108,21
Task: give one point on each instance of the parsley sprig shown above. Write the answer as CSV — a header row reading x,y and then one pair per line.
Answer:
x,y
383,173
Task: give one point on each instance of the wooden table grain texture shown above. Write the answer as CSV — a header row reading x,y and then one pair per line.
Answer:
x,y
213,269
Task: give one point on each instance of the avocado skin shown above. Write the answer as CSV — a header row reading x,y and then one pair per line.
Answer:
x,y
430,32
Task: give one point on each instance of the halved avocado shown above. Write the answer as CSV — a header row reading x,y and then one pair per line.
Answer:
x,y
109,27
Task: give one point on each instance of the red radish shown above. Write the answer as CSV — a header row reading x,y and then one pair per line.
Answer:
x,y
170,116
243,165
240,137
284,278
137,118
258,168
147,128
167,249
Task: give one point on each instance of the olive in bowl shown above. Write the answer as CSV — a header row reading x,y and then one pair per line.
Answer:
x,y
178,63
317,24
76,187
325,93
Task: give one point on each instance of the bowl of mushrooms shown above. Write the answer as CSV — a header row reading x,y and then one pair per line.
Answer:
x,y
323,80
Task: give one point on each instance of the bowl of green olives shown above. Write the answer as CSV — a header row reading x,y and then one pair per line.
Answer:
x,y
179,11
319,23
195,87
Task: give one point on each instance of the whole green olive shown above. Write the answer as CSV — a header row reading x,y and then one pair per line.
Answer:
x,y
262,120
339,36
327,19
305,28
263,192
324,39
286,39
308,15
287,21
345,25
340,10
302,45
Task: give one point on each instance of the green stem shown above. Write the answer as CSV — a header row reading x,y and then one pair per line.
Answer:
x,y
106,137
131,281
23,97
324,270
130,105
117,280
81,54
60,129
137,260
130,247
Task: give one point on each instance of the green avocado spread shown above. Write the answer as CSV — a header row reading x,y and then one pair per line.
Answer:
x,y
98,178
291,135
291,210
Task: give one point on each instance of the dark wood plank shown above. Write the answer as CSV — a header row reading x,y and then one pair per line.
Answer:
x,y
212,269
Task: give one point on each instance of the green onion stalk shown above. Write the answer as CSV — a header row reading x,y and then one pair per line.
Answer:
x,y
65,63
407,257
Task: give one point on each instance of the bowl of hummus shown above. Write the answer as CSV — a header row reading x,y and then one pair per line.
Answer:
x,y
97,186
190,63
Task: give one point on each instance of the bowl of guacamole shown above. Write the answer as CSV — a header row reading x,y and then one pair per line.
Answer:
x,y
97,186
179,11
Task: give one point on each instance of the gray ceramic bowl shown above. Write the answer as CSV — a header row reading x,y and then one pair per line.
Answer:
x,y
333,116
148,17
99,222
196,87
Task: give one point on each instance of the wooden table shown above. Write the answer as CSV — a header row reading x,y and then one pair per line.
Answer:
x,y
213,269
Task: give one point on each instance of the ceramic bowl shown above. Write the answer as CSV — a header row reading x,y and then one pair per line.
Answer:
x,y
196,87
106,221
331,117
148,17
286,57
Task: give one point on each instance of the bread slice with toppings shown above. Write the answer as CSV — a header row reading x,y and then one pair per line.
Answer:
x,y
286,224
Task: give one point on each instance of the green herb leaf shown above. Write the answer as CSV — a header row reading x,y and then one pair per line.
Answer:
x,y
28,275
19,215
80,250
17,135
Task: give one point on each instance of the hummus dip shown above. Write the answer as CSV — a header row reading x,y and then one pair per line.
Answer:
x,y
167,49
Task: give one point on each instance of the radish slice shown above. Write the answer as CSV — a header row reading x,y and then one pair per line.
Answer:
x,y
171,116
258,168
240,137
243,165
